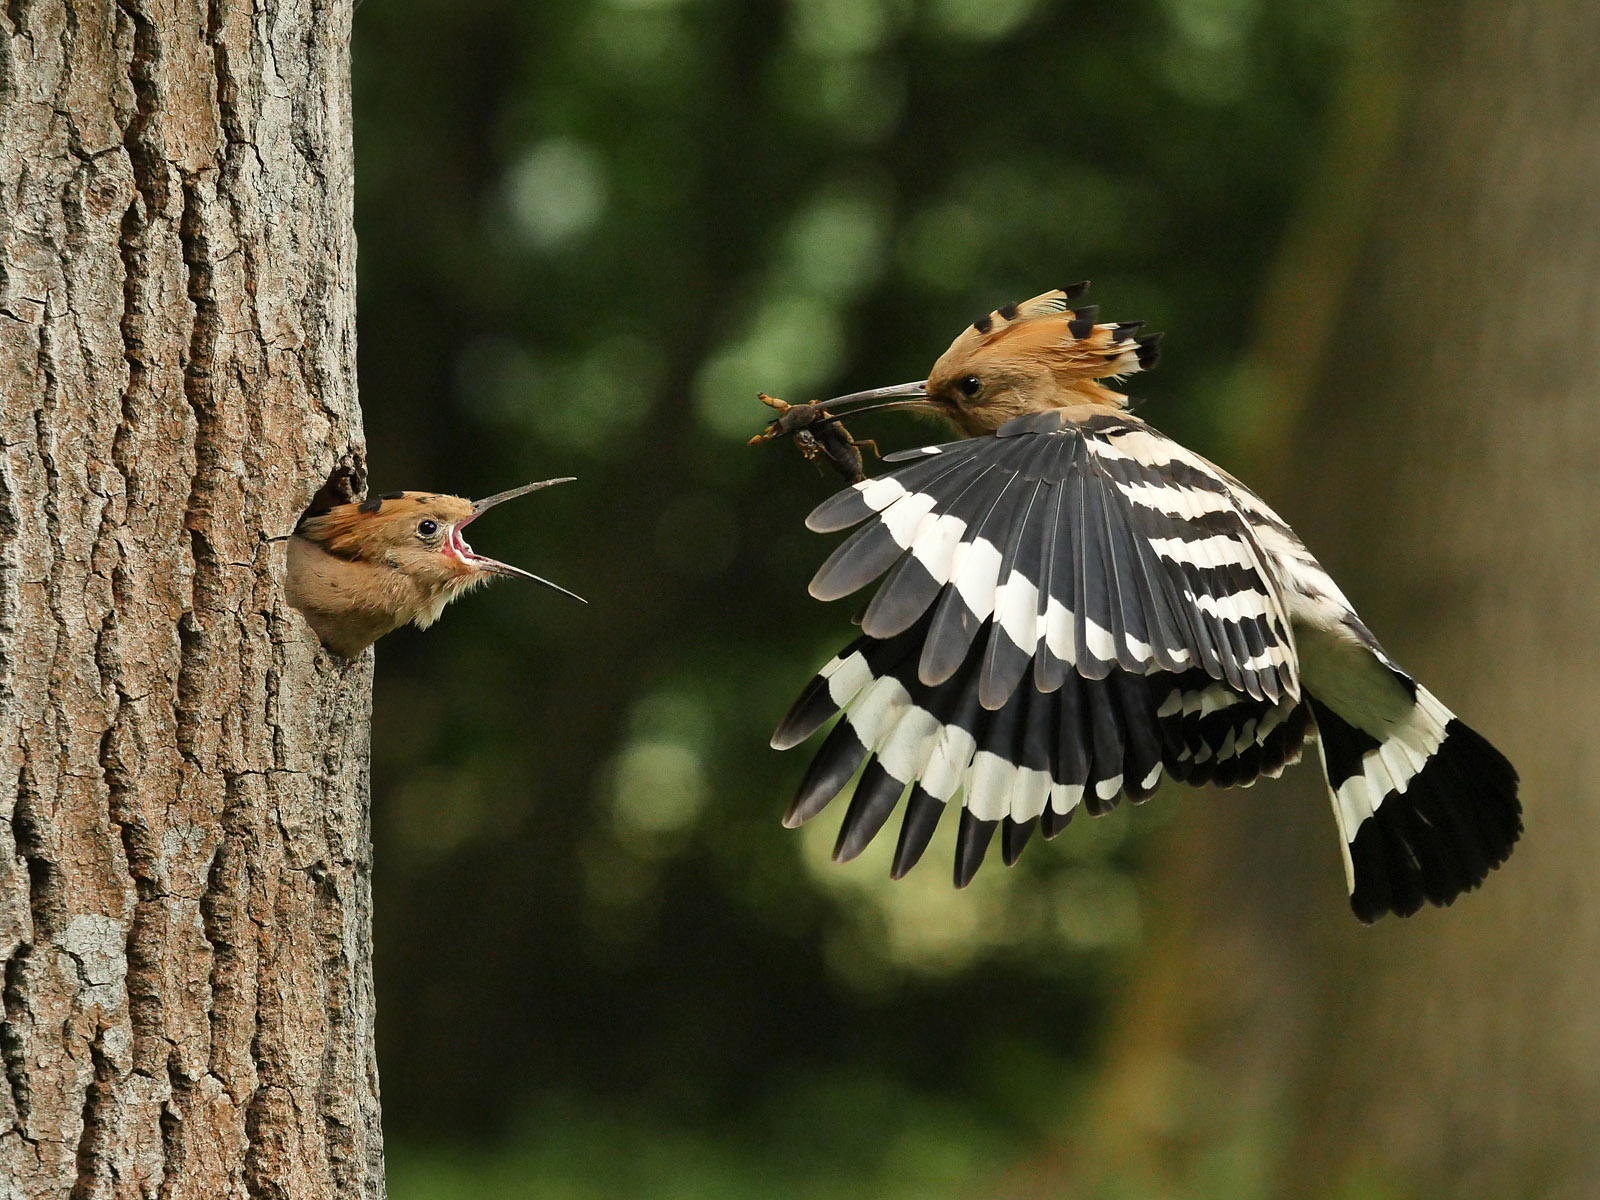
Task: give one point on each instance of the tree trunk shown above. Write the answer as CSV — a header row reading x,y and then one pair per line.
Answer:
x,y
1440,457
184,875
1460,1054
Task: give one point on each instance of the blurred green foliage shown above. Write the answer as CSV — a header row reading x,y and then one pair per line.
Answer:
x,y
590,232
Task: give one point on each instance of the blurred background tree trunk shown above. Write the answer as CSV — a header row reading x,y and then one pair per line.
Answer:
x,y
184,871
1433,345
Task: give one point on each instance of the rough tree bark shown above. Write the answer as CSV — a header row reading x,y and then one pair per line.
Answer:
x,y
184,863
1447,349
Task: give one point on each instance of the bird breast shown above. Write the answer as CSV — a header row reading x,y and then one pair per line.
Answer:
x,y
350,604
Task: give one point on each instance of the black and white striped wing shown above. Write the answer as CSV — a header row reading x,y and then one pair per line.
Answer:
x,y
1090,545
1029,764
1067,610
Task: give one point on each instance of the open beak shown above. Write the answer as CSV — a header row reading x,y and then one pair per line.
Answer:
x,y
458,544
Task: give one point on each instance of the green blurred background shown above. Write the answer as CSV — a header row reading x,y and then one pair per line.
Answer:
x,y
590,232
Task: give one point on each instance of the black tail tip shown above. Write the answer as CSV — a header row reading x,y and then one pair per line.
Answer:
x,y
1457,820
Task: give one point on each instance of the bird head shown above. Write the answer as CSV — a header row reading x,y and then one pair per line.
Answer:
x,y
1021,358
420,535
358,571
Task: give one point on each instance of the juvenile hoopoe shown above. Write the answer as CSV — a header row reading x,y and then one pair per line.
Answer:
x,y
1072,604
359,571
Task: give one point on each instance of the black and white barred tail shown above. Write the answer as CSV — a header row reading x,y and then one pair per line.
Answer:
x,y
1426,809
1071,609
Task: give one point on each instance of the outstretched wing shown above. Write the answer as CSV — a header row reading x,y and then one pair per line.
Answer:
x,y
1086,546
1067,609
1029,764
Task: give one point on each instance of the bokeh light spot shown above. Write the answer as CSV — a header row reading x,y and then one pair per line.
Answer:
x,y
981,20
658,789
840,26
587,401
835,245
791,344
556,192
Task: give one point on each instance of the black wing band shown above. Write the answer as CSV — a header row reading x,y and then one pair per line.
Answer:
x,y
1030,763
1083,547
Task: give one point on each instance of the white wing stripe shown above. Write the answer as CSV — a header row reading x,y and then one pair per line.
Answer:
x,y
948,763
1175,501
846,676
975,572
936,544
904,518
990,785
1017,610
878,494
1030,794
1064,797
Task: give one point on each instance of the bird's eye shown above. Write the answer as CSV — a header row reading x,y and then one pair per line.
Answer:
x,y
427,528
970,385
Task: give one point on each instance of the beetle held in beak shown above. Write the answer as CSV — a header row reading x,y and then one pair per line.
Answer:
x,y
820,434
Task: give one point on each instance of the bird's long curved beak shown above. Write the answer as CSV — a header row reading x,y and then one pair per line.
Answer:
x,y
480,507
495,566
917,390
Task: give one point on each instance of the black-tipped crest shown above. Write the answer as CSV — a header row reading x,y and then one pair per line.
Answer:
x,y
1048,304
1149,351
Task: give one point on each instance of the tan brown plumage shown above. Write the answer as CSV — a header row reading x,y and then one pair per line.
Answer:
x,y
1034,356
359,571
1073,606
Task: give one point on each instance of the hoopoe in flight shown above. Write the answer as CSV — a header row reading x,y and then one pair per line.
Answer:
x,y
359,571
1073,604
